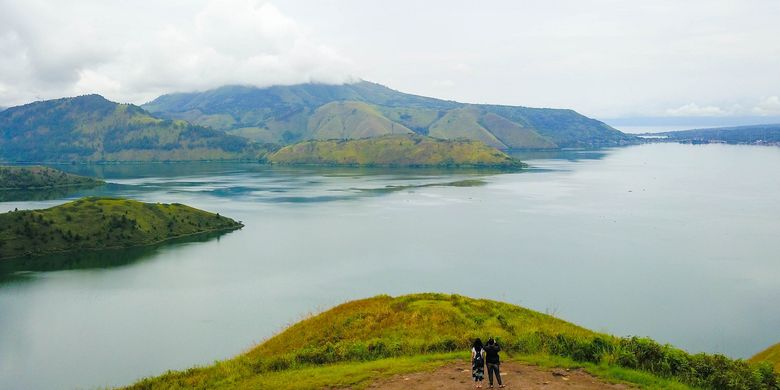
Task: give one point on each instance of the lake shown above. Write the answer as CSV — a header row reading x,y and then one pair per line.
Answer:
x,y
677,242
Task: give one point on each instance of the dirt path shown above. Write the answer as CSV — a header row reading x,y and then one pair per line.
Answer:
x,y
515,376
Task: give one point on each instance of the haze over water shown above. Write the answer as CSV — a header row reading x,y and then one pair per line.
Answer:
x,y
675,242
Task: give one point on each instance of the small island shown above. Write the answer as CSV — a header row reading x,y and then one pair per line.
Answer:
x,y
102,223
395,151
365,342
38,177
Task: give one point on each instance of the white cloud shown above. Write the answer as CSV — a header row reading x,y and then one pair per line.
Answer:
x,y
604,58
461,67
444,83
50,50
693,109
768,106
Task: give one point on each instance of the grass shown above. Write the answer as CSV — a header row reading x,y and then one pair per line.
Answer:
x,y
348,120
609,373
394,150
37,177
771,355
366,339
464,123
101,223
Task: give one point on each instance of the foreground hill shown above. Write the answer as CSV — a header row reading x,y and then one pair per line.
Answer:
x,y
398,150
26,178
756,134
771,355
288,114
101,223
91,128
361,341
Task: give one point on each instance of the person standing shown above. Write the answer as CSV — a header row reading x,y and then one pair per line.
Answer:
x,y
478,363
493,361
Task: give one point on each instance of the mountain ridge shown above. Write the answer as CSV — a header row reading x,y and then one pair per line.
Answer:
x,y
92,128
280,114
768,134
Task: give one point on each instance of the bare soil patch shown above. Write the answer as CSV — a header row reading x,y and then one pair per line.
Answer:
x,y
515,376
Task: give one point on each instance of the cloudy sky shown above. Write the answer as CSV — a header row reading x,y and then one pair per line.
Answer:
x,y
604,58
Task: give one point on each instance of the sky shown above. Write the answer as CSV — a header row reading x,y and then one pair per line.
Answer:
x,y
603,58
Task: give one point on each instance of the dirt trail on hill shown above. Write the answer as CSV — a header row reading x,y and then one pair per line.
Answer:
x,y
515,376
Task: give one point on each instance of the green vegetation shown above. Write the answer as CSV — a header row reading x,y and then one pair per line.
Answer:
x,y
771,355
349,120
462,123
91,128
289,114
394,150
101,223
359,341
29,178
755,134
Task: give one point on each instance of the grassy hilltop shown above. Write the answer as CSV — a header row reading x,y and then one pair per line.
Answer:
x,y
358,342
27,178
101,223
394,150
771,355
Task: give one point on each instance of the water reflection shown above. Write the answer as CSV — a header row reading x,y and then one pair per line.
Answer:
x,y
571,155
24,268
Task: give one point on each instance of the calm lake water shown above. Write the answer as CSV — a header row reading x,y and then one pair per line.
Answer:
x,y
677,242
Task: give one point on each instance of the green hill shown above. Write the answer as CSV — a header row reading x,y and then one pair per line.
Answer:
x,y
394,150
771,355
91,128
36,177
101,223
350,120
462,123
282,114
357,342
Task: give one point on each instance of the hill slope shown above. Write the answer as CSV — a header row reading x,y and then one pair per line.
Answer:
x,y
91,128
350,120
361,340
100,223
771,355
281,114
394,150
25,178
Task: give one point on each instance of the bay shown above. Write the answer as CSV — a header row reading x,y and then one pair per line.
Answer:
x,y
675,242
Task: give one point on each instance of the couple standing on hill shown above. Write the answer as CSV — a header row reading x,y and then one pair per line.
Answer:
x,y
482,355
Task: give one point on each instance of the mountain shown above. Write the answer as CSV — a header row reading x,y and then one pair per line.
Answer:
x,y
289,114
26,178
101,223
753,134
358,343
405,150
91,128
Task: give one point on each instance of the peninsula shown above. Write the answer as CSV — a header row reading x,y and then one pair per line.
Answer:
x,y
394,151
37,177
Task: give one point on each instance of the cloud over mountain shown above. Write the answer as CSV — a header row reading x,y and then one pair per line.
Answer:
x,y
145,49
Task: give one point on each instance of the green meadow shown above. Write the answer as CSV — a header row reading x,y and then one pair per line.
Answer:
x,y
360,341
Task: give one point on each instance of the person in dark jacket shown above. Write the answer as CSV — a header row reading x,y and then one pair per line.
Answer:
x,y
493,362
